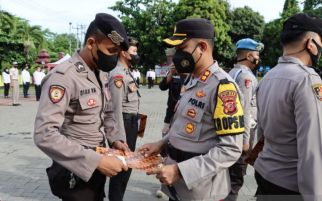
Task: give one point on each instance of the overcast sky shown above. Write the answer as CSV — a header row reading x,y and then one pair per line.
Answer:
x,y
56,14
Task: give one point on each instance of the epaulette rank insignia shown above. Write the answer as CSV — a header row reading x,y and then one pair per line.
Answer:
x,y
205,75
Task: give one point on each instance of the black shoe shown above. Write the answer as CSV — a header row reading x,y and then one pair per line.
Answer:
x,y
16,104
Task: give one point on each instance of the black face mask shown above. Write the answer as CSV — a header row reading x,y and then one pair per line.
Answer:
x,y
105,62
315,57
184,62
134,59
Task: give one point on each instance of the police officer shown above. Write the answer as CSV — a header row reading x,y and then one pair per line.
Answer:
x,y
14,77
172,82
247,61
75,115
205,137
125,96
289,100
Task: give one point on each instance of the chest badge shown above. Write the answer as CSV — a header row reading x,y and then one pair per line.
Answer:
x,y
200,94
190,127
317,88
191,113
91,102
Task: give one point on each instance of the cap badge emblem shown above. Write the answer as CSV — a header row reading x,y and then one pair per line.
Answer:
x,y
115,37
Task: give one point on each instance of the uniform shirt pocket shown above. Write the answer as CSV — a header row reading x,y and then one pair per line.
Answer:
x,y
88,110
191,123
132,97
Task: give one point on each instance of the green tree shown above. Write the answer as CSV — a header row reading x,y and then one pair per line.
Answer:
x,y
272,32
290,8
150,22
244,22
313,7
217,12
7,23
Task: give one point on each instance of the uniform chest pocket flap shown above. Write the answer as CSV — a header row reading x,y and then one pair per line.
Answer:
x,y
190,126
88,110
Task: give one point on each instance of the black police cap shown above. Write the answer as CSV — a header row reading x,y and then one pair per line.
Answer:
x,y
303,22
112,28
190,28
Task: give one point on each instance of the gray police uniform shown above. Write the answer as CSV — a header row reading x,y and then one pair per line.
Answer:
x,y
125,96
74,116
205,137
289,102
247,84
124,91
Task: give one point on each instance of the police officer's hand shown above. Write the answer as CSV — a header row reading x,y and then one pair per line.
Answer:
x,y
120,146
111,165
168,174
151,148
245,147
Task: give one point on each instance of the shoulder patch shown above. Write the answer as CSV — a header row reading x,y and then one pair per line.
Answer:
x,y
248,83
56,93
228,114
118,81
79,66
317,89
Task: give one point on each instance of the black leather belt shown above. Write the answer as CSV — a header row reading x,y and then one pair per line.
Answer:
x,y
179,155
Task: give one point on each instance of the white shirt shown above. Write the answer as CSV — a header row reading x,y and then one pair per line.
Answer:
x,y
6,77
137,75
153,75
25,76
38,76
150,74
14,73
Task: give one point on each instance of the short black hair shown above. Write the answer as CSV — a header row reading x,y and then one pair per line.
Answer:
x,y
94,31
290,37
241,52
211,43
133,41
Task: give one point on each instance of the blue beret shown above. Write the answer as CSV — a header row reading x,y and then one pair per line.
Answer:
x,y
249,44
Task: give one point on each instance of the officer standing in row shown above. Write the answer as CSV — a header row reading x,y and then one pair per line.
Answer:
x,y
14,80
247,61
75,115
289,100
205,137
125,97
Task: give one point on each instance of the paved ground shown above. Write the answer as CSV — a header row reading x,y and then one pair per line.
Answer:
x,y
22,165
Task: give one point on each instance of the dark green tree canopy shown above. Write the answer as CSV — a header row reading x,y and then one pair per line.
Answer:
x,y
244,22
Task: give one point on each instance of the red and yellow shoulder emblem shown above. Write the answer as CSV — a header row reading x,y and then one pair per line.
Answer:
x,y
56,93
317,88
118,81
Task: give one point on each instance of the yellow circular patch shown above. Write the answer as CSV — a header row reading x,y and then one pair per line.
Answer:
x,y
190,128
